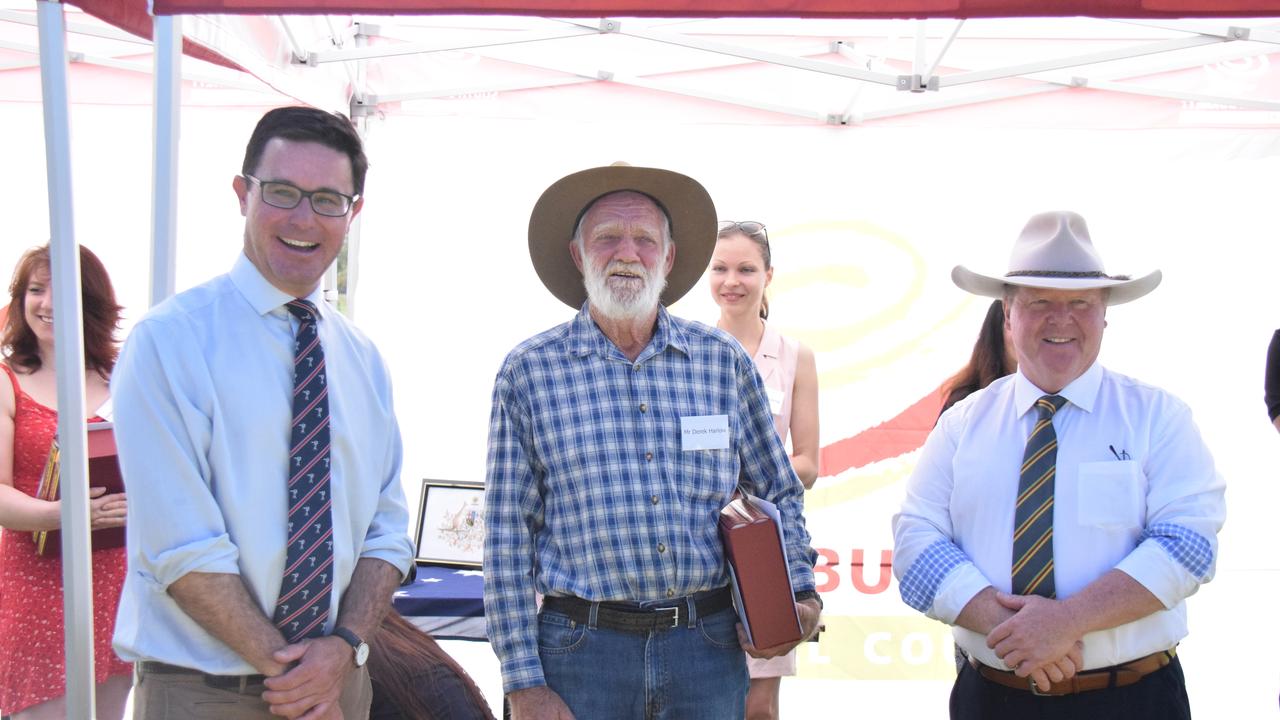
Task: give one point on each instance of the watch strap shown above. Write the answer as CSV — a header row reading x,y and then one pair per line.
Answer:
x,y
351,638
809,595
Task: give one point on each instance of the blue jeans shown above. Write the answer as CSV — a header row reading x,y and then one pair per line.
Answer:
x,y
694,672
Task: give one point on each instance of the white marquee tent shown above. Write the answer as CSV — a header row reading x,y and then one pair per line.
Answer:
x,y
880,151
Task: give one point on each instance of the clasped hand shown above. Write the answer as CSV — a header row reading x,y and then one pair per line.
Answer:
x,y
311,686
1040,640
106,511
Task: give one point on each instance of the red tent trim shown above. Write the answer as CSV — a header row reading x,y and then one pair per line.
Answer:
x,y
131,14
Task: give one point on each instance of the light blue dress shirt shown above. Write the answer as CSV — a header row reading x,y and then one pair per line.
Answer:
x,y
1135,490
202,411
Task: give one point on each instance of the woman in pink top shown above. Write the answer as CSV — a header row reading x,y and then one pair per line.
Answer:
x,y
741,269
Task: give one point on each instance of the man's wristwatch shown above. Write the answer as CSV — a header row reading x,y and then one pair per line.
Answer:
x,y
361,647
809,595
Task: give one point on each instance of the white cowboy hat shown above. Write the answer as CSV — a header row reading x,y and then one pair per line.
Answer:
x,y
1054,251
555,216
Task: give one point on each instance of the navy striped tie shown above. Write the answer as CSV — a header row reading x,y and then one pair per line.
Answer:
x,y
1033,518
303,604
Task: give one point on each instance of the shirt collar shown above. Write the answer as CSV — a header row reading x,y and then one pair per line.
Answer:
x,y
1081,392
261,295
585,337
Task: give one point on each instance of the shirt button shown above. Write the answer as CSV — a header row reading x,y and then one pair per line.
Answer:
x,y
654,499
662,548
636,367
644,407
671,593
648,456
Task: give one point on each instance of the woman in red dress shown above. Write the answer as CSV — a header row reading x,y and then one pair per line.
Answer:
x,y
32,666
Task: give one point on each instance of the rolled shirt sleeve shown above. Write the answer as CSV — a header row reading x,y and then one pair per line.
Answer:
x,y
163,425
1186,508
387,538
935,576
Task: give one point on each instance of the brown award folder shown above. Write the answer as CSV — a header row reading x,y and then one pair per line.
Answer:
x,y
757,558
104,471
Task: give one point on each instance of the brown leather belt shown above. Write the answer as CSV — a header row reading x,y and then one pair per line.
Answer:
x,y
243,684
631,617
1100,679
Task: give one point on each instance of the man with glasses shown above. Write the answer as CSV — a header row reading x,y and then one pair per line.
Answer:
x,y
256,430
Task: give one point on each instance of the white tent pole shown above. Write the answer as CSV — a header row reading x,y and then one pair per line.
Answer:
x,y
1125,53
360,110
78,28
77,572
164,183
820,66
299,52
945,47
367,52
922,41
226,80
373,100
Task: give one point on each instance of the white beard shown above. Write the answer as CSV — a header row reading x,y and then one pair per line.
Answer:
x,y
621,303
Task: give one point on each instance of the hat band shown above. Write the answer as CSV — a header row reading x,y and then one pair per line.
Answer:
x,y
1065,274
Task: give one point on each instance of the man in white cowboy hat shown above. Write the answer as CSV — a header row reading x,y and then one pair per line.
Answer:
x,y
614,441
1059,518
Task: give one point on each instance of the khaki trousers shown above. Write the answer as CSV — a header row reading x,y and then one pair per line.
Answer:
x,y
186,696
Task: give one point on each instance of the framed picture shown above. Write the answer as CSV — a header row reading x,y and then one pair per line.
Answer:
x,y
451,523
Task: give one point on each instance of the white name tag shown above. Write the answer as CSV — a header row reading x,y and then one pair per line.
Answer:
x,y
704,432
776,396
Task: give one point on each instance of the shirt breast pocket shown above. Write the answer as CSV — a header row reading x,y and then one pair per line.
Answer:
x,y
707,475
1111,495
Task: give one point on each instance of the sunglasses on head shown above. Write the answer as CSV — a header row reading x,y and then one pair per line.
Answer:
x,y
750,228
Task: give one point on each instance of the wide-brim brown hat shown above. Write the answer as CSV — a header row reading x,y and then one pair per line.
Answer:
x,y
1055,252
555,216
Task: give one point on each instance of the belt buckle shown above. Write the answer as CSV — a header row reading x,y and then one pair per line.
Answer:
x,y
1035,689
675,617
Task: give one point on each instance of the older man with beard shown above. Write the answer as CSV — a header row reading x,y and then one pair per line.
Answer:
x,y
614,441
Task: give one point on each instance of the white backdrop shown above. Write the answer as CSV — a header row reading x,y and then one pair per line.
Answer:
x,y
866,224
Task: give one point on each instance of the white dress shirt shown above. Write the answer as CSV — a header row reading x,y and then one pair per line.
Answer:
x,y
203,415
1135,489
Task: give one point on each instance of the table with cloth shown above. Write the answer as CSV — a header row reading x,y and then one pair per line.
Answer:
x,y
447,602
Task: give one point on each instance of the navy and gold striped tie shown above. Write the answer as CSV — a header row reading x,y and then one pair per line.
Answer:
x,y
1033,518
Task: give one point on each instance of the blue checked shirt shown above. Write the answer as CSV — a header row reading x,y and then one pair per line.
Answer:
x,y
589,493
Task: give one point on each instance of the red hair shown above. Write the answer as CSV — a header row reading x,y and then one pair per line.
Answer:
x,y
101,314
398,655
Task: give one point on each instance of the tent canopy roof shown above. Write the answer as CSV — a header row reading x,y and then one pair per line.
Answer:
x,y
736,8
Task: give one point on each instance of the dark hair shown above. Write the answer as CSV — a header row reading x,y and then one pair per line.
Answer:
x,y
986,364
401,658
758,235
306,124
101,314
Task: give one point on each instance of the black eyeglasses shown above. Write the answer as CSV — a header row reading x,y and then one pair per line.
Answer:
x,y
750,228
329,203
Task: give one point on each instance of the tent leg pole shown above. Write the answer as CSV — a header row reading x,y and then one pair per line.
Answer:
x,y
164,211
77,577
